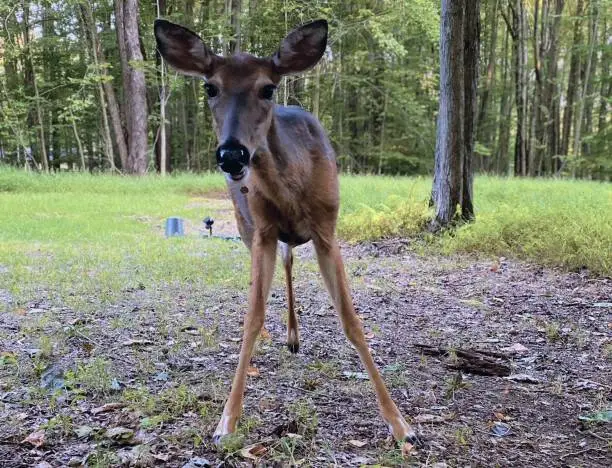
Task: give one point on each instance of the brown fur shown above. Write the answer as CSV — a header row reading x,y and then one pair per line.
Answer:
x,y
290,193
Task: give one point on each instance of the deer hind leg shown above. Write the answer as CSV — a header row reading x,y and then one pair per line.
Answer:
x,y
332,269
263,256
293,333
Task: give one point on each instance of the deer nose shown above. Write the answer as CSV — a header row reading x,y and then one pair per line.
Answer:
x,y
232,158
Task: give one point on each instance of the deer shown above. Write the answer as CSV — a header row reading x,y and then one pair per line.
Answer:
x,y
281,172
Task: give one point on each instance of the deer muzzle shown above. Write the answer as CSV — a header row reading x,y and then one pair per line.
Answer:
x,y
233,159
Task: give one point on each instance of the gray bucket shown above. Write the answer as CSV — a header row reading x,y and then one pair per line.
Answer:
x,y
174,227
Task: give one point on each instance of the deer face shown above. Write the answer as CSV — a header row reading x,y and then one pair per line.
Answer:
x,y
240,88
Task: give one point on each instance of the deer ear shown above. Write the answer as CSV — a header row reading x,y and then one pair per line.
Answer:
x,y
302,48
183,49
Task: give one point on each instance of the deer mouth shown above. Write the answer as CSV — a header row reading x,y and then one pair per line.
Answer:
x,y
239,176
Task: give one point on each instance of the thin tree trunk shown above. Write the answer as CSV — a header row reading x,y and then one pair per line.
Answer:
x,y
381,149
572,83
470,67
90,26
30,76
587,77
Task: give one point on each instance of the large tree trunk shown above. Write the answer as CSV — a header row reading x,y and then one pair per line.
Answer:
x,y
448,176
135,92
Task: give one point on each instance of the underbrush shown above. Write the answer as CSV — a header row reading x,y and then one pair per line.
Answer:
x,y
551,222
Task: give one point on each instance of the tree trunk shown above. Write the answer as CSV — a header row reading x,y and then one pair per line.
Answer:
x,y
470,66
572,83
450,147
90,27
30,79
520,62
587,78
135,92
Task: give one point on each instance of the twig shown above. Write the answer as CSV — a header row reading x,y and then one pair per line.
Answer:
x,y
580,452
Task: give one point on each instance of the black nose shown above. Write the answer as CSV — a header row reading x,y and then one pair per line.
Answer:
x,y
232,157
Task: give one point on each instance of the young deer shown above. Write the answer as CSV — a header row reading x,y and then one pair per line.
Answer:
x,y
281,172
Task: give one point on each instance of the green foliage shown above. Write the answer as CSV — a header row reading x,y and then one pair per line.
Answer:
x,y
553,222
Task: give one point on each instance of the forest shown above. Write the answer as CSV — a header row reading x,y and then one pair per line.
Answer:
x,y
83,88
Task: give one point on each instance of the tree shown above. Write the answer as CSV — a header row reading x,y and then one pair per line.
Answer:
x,y
135,91
459,42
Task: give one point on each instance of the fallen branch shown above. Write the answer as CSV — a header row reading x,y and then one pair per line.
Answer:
x,y
471,361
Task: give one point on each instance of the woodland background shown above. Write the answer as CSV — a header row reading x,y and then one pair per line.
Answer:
x,y
81,83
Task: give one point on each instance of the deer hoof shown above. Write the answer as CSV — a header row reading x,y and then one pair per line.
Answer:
x,y
293,347
414,439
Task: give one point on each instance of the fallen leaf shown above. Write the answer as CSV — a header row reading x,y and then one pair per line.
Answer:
x,y
107,407
83,431
265,334
407,449
253,452
517,348
369,335
428,418
137,342
253,371
502,416
356,375
525,378
357,443
197,462
37,439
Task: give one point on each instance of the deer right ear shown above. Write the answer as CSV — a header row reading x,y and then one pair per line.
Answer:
x,y
183,49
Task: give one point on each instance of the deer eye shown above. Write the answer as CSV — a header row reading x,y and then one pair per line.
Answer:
x,y
211,90
267,92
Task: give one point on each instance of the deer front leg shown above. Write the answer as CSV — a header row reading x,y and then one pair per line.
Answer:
x,y
263,255
332,269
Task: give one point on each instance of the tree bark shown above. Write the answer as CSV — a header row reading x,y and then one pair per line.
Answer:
x,y
572,83
135,92
470,66
520,74
450,147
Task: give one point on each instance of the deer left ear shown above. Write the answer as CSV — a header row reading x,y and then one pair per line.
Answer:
x,y
302,48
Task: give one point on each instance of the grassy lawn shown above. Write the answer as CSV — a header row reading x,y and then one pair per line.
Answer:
x,y
65,235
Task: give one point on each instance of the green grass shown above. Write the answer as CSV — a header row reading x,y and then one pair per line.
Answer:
x,y
563,223
71,237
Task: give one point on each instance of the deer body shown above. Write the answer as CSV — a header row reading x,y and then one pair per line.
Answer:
x,y
281,173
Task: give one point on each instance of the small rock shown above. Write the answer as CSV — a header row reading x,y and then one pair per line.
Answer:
x,y
83,431
500,429
43,464
75,461
428,418
120,434
197,462
52,378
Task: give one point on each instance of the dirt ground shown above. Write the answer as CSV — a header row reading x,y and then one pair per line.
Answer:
x,y
171,367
